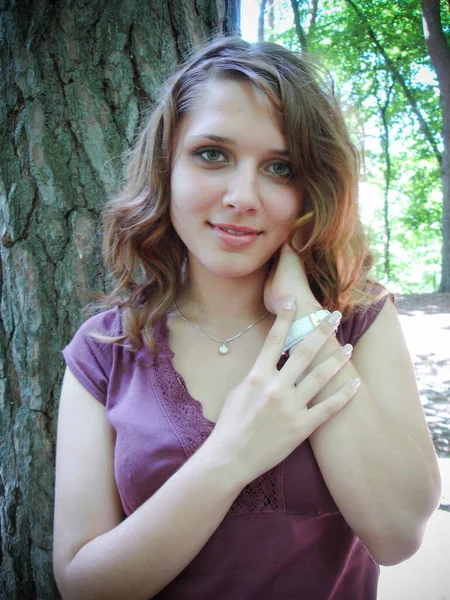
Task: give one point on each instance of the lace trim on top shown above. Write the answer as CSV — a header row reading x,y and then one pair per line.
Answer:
x,y
185,414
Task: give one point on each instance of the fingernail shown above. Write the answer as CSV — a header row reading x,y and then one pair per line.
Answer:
x,y
355,383
347,349
289,303
335,317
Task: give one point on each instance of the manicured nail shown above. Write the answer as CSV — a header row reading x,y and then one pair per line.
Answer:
x,y
289,303
347,349
355,383
335,317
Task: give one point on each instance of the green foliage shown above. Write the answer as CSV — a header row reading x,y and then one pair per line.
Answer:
x,y
375,50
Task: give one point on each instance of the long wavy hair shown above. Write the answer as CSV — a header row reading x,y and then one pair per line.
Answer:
x,y
142,249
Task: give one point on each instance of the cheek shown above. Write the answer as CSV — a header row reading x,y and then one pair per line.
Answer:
x,y
191,193
287,210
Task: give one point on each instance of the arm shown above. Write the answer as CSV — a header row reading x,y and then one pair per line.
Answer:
x,y
385,477
97,553
376,456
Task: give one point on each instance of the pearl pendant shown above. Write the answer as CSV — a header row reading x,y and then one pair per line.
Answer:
x,y
223,349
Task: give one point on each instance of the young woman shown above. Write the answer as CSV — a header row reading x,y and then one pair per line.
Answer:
x,y
193,462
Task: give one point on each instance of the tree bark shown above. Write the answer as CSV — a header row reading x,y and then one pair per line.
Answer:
x,y
439,52
74,78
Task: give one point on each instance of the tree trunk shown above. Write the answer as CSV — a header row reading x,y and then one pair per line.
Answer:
x,y
385,142
439,52
270,15
298,27
74,78
262,10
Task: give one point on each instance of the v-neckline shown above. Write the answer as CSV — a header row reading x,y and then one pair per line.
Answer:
x,y
186,397
192,428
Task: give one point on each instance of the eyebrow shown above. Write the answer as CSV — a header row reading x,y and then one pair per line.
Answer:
x,y
227,140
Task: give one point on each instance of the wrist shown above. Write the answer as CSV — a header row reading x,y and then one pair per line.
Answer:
x,y
216,458
305,305
301,328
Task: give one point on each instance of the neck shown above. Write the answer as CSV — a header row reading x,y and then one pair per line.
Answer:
x,y
219,301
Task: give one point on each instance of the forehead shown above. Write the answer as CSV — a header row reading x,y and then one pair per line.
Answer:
x,y
232,105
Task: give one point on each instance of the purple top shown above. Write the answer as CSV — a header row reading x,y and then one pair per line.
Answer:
x,y
283,537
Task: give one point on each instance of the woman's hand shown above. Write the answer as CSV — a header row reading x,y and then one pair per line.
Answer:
x,y
267,416
287,278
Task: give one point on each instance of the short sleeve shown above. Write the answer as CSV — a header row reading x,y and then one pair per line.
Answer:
x,y
352,329
91,360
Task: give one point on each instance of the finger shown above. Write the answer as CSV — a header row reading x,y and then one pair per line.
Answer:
x,y
301,355
318,378
323,411
273,346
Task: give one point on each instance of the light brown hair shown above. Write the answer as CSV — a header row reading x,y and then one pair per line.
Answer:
x,y
142,249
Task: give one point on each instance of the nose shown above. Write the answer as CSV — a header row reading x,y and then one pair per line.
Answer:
x,y
242,191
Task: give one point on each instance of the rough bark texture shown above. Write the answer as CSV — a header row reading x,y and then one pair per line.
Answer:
x,y
439,52
74,77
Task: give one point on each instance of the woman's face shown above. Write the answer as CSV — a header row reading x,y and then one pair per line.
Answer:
x,y
233,196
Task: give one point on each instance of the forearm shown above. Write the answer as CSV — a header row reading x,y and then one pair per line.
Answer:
x,y
153,545
378,475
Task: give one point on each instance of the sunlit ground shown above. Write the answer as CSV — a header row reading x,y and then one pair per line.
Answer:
x,y
426,576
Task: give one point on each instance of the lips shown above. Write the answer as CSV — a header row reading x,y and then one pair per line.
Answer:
x,y
236,237
235,229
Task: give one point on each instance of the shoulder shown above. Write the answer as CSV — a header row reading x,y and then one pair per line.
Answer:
x,y
92,336
107,323
89,357
362,317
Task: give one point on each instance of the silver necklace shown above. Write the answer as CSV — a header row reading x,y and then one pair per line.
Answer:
x,y
223,348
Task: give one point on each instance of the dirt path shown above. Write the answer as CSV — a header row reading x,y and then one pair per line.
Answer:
x,y
425,320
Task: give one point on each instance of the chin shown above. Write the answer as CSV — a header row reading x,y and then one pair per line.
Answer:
x,y
230,271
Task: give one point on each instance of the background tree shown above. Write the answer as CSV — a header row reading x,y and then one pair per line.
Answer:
x,y
265,10
364,43
439,51
75,78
